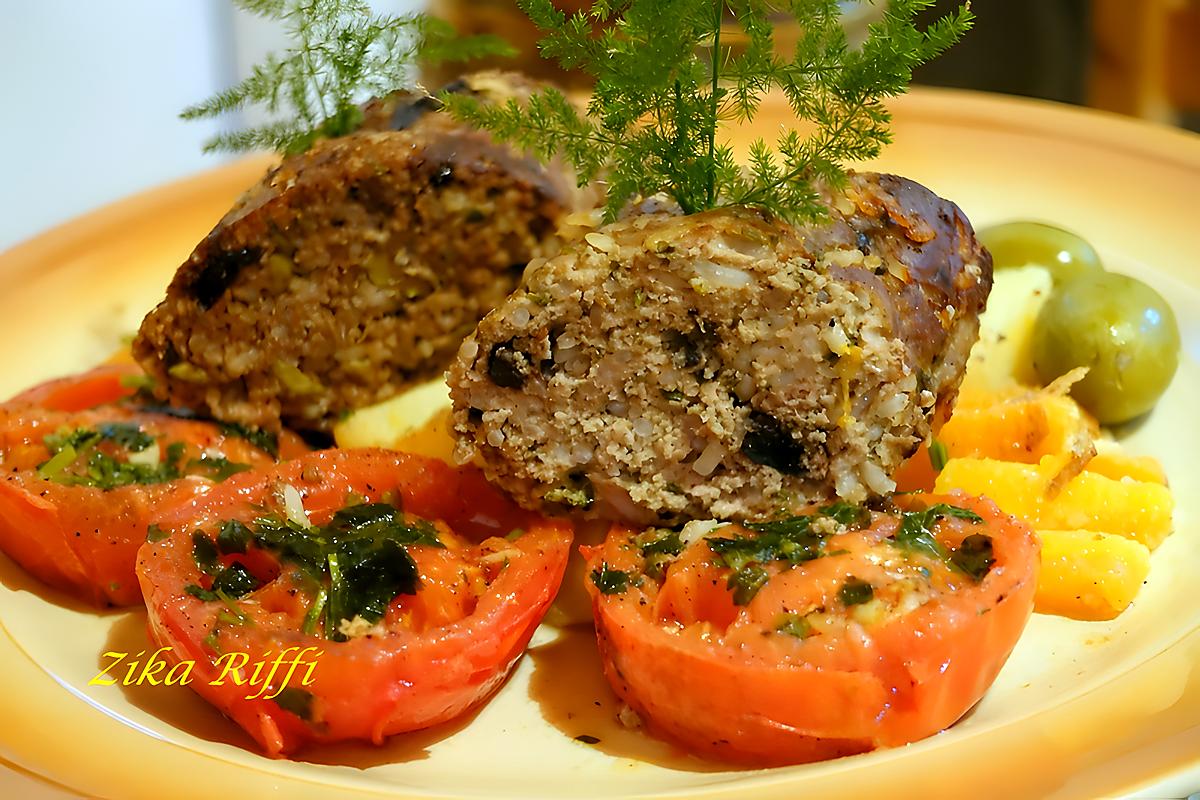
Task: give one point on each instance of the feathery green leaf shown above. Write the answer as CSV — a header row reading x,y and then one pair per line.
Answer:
x,y
341,55
669,73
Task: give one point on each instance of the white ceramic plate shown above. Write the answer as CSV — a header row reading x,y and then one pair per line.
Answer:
x,y
1081,709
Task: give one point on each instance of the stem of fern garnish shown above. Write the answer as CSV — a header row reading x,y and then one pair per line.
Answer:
x,y
306,49
682,194
320,82
716,78
660,129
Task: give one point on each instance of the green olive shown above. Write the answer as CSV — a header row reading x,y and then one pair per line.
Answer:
x,y
1121,330
1015,244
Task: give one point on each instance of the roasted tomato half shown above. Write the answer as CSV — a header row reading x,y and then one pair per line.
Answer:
x,y
84,468
102,385
411,588
821,635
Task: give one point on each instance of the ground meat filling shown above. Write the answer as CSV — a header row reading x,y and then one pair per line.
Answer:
x,y
355,269
722,365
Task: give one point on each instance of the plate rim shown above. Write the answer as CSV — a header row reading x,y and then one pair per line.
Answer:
x,y
1176,148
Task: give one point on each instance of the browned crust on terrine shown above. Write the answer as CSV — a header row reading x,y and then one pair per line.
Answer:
x,y
353,270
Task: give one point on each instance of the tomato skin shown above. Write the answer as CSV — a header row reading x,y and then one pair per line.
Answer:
x,y
369,687
748,696
81,539
99,386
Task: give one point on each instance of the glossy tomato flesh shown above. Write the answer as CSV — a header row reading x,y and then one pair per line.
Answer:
x,y
812,666
84,539
435,654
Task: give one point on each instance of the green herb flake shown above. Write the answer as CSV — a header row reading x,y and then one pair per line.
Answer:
x,y
232,614
788,527
125,434
355,565
659,547
263,440
139,383
368,561
609,580
745,583
793,625
376,572
790,539
915,534
77,461
956,512
230,618
373,520
916,529
216,468
848,515
233,537
74,438
235,581
938,455
362,552
154,533
199,592
577,496
655,566
660,541
174,455
855,592
315,611
204,553
974,557
296,701
53,468
211,641
292,543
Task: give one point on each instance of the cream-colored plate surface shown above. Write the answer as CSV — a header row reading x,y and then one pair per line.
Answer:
x,y
1081,709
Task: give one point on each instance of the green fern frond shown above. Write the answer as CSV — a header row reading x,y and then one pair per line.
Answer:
x,y
668,77
341,55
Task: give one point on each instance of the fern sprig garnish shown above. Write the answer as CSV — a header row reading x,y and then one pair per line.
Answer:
x,y
667,78
341,54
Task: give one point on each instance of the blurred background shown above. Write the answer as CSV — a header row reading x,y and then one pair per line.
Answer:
x,y
92,90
